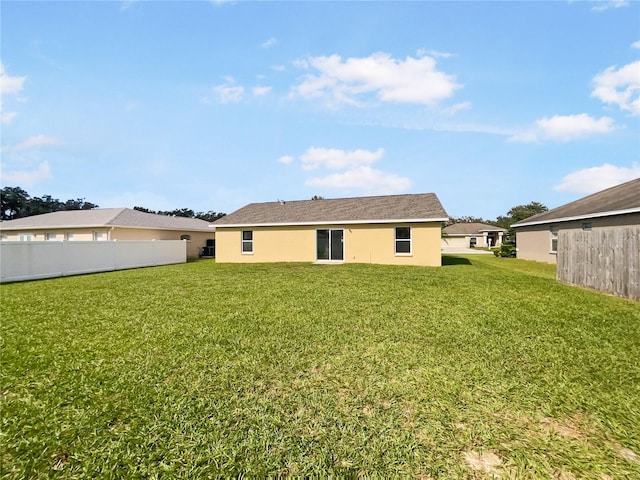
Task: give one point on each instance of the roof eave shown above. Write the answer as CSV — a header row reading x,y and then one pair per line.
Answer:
x,y
333,222
577,217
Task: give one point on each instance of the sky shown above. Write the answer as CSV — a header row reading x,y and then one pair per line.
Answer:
x,y
211,105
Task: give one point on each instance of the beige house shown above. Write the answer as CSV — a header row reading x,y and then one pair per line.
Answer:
x,y
471,235
393,229
537,236
106,224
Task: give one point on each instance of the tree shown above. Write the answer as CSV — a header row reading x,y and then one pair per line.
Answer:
x,y
518,213
469,219
13,201
210,216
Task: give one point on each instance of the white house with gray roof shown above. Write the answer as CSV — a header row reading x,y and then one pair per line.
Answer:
x,y
108,224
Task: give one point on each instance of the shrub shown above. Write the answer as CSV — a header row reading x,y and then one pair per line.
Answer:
x,y
504,250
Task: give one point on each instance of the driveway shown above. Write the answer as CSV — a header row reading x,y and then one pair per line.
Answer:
x,y
463,251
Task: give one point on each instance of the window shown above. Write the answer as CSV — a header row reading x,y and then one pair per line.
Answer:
x,y
4,237
51,237
473,241
26,237
185,237
247,241
403,240
69,237
99,236
586,226
554,239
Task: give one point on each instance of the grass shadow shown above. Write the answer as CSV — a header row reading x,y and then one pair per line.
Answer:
x,y
452,260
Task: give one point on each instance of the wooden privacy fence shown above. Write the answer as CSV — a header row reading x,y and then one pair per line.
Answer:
x,y
606,259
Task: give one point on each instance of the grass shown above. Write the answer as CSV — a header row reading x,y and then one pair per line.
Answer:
x,y
483,367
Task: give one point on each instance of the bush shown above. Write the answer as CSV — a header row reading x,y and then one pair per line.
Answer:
x,y
504,250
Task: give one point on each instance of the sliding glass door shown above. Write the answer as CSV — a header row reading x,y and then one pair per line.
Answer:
x,y
330,244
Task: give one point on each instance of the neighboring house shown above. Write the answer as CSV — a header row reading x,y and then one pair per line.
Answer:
x,y
106,224
471,235
537,236
393,229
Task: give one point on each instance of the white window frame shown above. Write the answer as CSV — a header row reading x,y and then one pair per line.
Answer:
x,y
99,236
26,237
553,237
247,242
403,240
69,237
51,237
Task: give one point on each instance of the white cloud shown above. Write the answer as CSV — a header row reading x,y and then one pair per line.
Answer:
x,y
413,80
260,91
635,44
564,128
286,159
33,142
363,178
334,158
620,87
435,53
7,116
591,180
269,43
229,92
27,178
609,4
453,109
10,85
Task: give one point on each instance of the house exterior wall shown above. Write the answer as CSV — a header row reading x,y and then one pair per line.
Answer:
x,y
198,239
534,242
363,243
455,242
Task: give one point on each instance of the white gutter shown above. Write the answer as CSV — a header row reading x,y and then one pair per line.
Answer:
x,y
578,217
332,222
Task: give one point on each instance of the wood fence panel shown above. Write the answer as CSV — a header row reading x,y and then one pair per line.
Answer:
x,y
606,259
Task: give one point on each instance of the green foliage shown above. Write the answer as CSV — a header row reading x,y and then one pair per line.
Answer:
x,y
206,370
209,216
17,203
518,213
504,250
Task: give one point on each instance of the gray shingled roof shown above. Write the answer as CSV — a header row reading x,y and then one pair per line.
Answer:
x,y
380,209
471,228
616,200
106,217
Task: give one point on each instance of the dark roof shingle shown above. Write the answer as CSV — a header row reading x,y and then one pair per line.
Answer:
x,y
378,209
621,198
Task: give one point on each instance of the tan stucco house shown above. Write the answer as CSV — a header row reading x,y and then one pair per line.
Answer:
x,y
471,235
107,224
392,229
537,236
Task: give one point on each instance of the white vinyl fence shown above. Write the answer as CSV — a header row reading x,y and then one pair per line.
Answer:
x,y
34,260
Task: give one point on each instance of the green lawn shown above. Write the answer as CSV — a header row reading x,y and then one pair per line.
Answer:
x,y
483,366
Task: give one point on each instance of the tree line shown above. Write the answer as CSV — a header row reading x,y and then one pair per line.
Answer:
x,y
15,202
